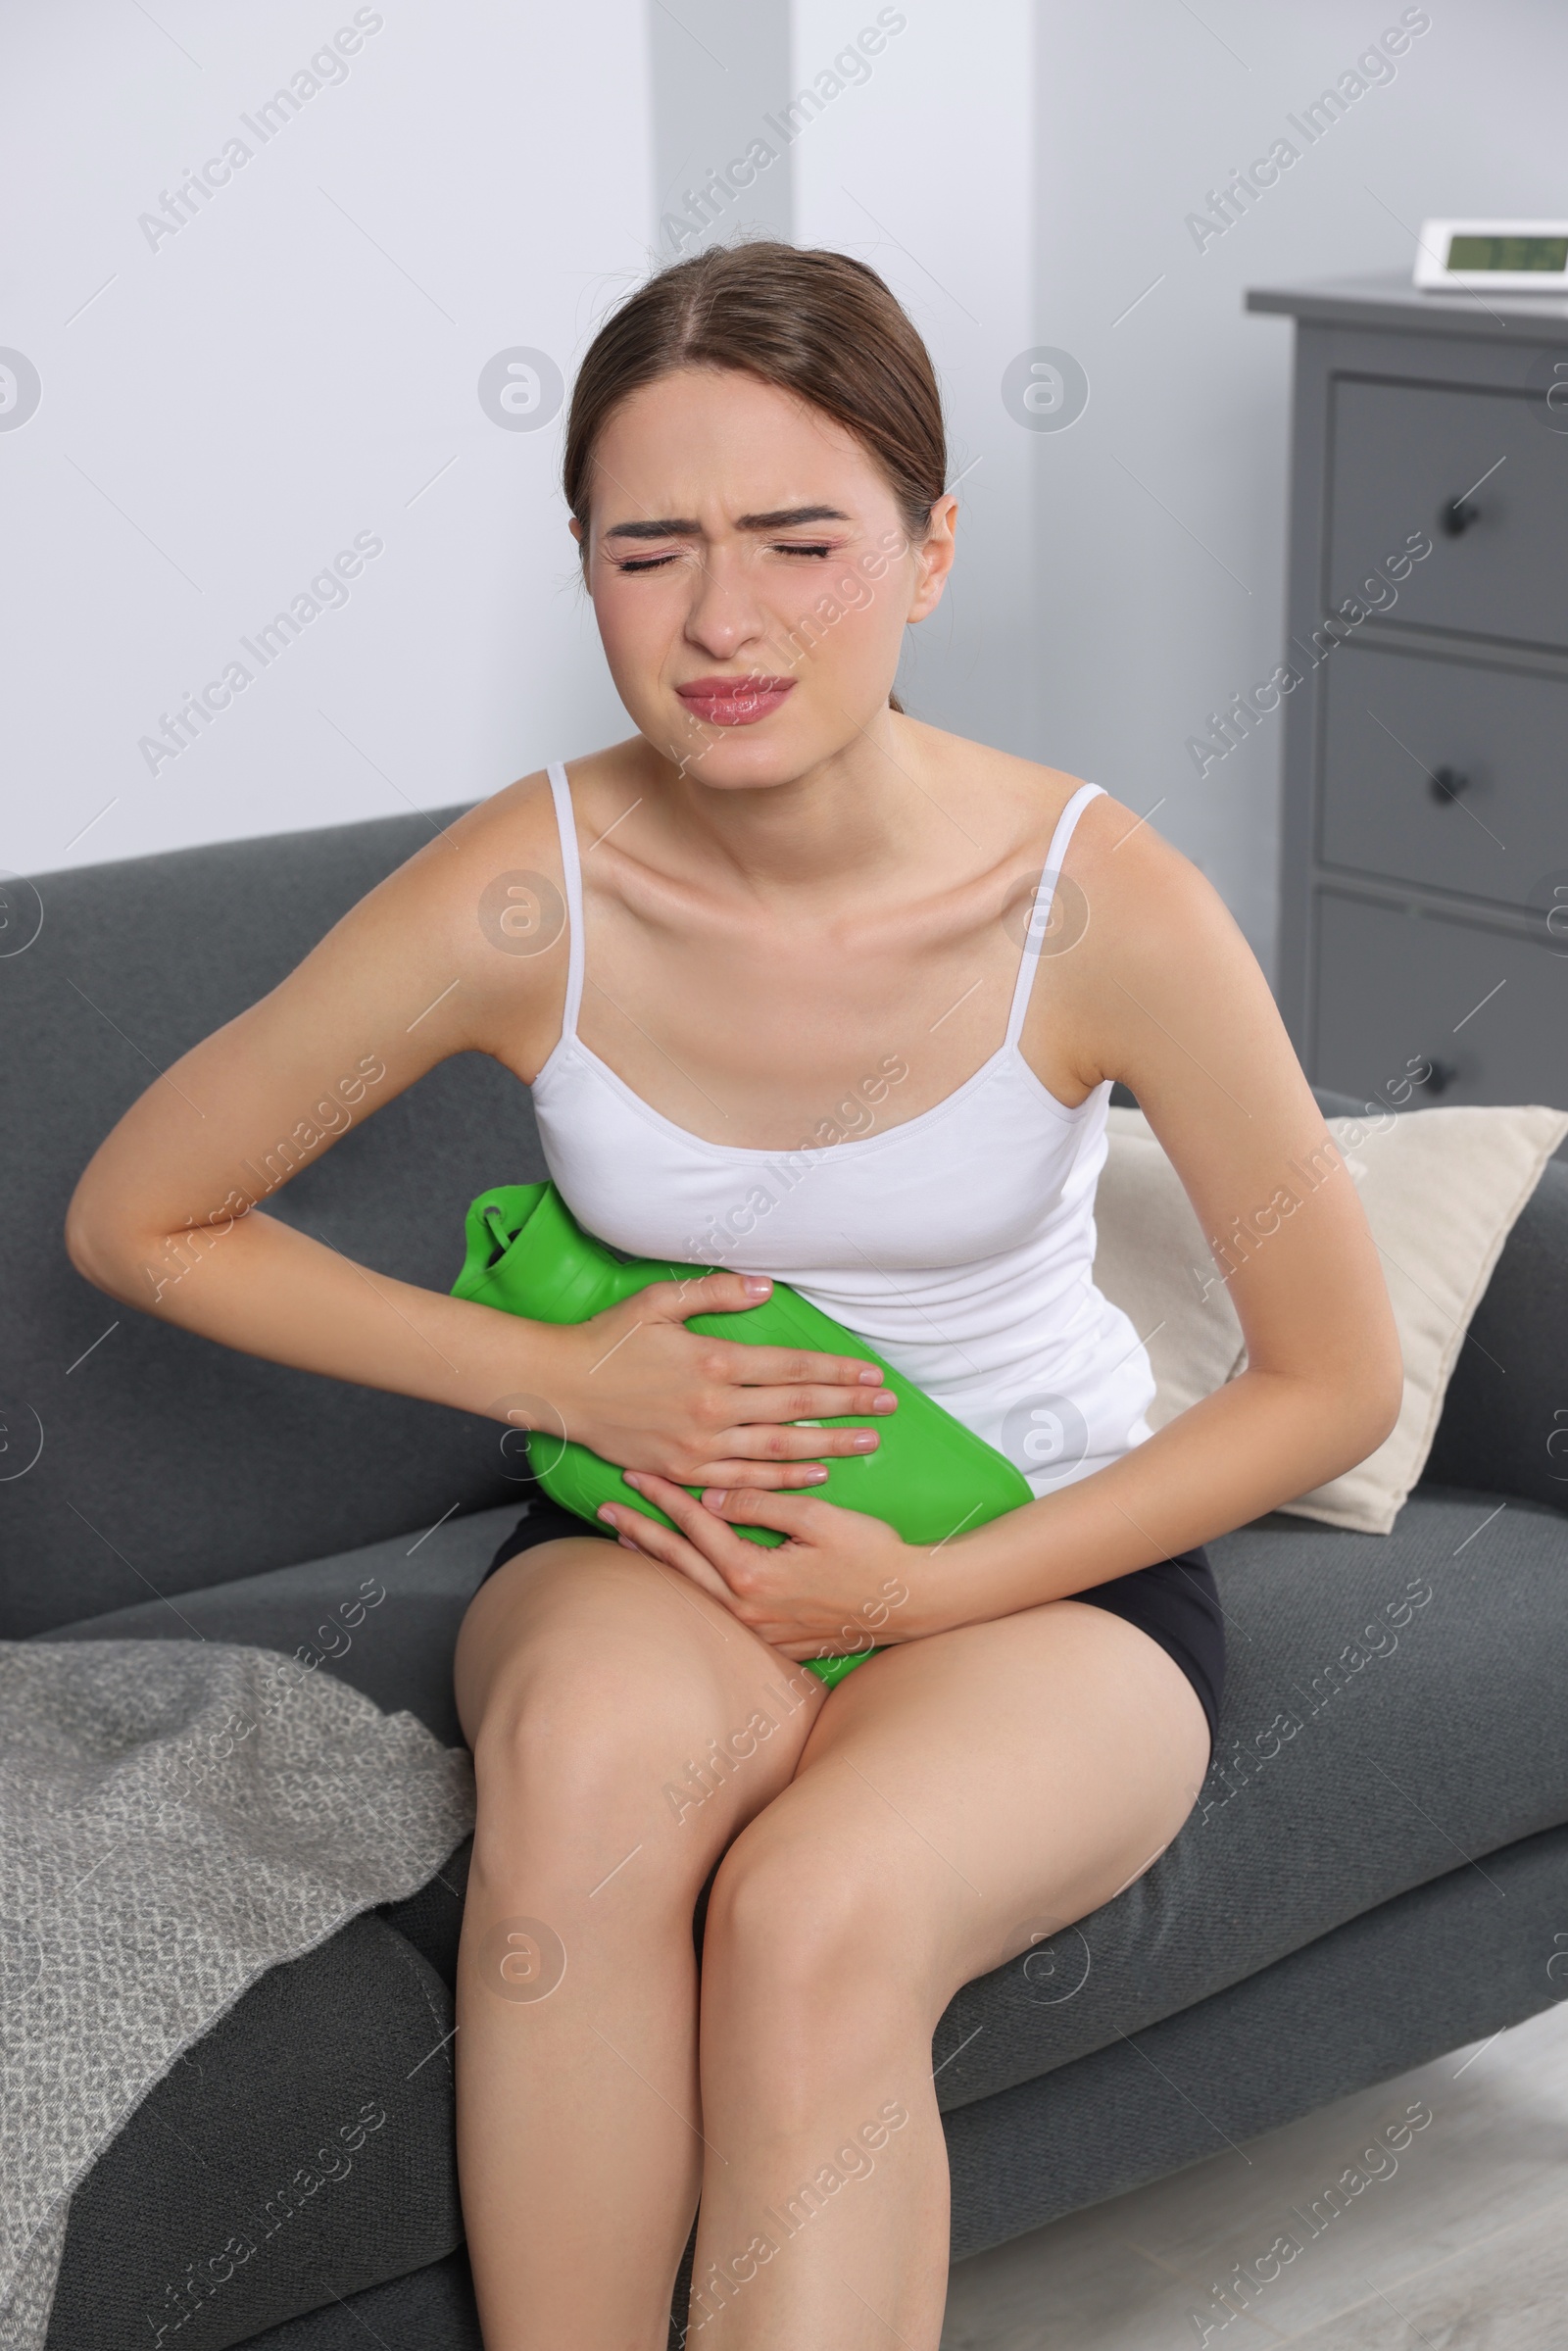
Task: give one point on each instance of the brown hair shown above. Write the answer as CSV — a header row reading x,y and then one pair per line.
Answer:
x,y
814,323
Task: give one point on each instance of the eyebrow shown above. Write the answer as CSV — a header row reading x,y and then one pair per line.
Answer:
x,y
783,518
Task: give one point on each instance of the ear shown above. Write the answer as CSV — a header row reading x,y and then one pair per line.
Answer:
x,y
933,558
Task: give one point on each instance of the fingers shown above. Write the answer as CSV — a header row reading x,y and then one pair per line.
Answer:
x,y
768,1411
700,1530
714,1294
650,1540
730,1294
775,1455
797,1515
788,1476
790,1366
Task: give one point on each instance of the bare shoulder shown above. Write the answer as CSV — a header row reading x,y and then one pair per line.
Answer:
x,y
1147,898
1142,888
1142,958
1015,803
488,875
493,890
1167,994
463,941
509,847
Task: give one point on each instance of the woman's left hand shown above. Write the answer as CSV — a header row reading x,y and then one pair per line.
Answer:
x,y
835,1585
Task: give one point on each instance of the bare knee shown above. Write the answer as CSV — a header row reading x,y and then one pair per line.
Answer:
x,y
571,1742
816,1952
532,1610
558,1671
598,1728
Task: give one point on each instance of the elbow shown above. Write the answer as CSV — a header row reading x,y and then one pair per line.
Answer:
x,y
81,1240
1343,1410
1371,1398
84,1249
1380,1415
1384,1384
97,1251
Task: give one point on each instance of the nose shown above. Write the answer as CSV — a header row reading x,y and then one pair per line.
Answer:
x,y
725,616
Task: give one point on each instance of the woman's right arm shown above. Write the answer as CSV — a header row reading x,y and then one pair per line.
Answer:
x,y
169,1215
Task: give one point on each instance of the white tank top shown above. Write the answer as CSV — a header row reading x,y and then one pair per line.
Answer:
x,y
959,1243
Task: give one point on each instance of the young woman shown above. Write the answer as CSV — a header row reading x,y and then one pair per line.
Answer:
x,y
803,988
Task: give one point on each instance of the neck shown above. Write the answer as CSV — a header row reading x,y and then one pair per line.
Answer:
x,y
866,810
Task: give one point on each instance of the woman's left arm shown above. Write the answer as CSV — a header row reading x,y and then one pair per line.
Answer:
x,y
1162,991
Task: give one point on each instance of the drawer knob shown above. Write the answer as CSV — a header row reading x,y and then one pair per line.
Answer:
x,y
1456,518
1440,1075
1447,784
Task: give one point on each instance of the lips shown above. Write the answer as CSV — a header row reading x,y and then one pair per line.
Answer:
x,y
735,701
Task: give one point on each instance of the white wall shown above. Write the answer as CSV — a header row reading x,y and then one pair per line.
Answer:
x,y
231,409
923,168
1162,513
298,365
717,71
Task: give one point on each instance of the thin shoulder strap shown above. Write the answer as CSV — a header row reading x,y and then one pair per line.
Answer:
x,y
1042,936
571,875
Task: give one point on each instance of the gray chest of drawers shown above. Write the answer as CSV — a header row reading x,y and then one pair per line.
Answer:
x,y
1424,695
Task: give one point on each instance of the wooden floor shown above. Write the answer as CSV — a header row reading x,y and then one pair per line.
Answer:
x,y
1463,2246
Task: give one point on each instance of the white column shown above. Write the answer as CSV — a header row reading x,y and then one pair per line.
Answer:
x,y
918,161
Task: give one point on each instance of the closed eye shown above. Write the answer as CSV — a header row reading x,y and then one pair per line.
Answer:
x,y
819,550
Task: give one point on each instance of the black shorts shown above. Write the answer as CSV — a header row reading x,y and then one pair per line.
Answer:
x,y
1174,1601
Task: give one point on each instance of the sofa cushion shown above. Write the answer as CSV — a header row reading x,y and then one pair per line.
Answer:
x,y
1393,1711
397,1649
1339,1778
1443,1966
431,2310
1451,1962
1338,1781
1441,1191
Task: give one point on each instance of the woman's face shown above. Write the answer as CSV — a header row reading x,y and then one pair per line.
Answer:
x,y
750,574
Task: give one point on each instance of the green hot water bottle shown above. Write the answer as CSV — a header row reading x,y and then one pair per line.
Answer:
x,y
929,1477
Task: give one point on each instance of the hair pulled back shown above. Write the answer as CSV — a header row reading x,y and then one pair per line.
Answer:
x,y
812,322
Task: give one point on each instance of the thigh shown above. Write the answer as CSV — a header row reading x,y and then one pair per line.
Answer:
x,y
581,1661
986,1786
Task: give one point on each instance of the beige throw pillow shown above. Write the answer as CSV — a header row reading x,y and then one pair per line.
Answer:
x,y
1441,1190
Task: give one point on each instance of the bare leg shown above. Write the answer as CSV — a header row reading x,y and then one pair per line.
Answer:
x,y
957,1799
623,1726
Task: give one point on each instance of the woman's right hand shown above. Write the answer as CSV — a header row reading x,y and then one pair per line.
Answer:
x,y
640,1390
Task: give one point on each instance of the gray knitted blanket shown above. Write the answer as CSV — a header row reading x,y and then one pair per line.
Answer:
x,y
176,1818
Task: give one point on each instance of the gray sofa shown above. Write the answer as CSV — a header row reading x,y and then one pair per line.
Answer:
x,y
1376,1871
